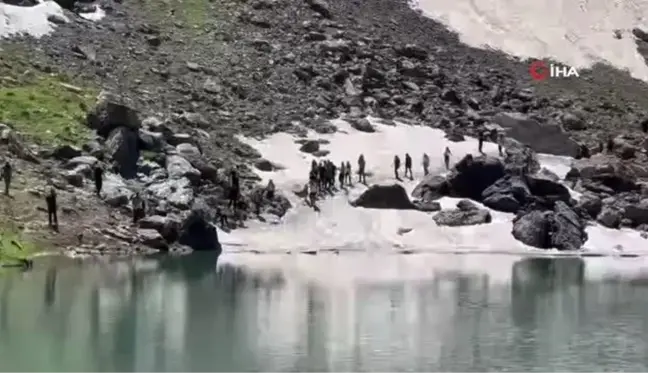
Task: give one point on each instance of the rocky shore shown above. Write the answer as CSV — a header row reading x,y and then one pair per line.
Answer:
x,y
184,79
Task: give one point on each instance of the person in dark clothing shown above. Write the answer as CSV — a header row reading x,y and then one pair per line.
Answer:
x,y
583,151
446,157
50,200
321,170
644,125
610,144
426,164
98,179
270,190
362,178
221,218
480,139
348,173
500,140
601,147
396,167
235,190
6,175
342,175
138,207
408,166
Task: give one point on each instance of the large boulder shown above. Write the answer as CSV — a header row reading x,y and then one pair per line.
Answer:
x,y
431,187
123,149
110,114
115,192
466,213
547,138
177,192
605,173
472,175
519,157
385,197
507,194
197,232
561,228
178,168
168,226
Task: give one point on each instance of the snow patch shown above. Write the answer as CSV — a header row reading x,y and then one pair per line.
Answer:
x,y
579,33
338,226
16,20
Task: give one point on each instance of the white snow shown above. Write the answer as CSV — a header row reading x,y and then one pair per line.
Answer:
x,y
578,33
342,227
97,15
16,20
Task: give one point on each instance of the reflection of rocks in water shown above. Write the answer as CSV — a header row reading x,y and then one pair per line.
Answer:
x,y
234,277
535,278
194,266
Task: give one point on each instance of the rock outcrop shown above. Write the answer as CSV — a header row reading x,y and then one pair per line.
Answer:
x,y
561,228
466,213
385,197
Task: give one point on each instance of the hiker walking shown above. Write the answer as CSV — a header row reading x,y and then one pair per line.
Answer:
x,y
342,174
362,178
446,157
480,139
348,174
408,166
426,164
500,141
6,175
396,166
50,200
235,190
98,179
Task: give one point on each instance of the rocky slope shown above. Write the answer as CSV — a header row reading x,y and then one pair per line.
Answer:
x,y
195,74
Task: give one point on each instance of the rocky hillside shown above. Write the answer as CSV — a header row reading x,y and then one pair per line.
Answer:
x,y
186,77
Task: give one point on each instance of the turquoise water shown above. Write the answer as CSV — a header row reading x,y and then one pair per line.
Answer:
x,y
188,314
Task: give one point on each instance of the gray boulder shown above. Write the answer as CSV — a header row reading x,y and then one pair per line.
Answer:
x,y
177,192
178,168
362,125
547,138
114,190
610,217
465,214
152,238
167,226
310,146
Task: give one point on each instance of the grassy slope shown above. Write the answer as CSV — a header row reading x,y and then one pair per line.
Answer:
x,y
47,109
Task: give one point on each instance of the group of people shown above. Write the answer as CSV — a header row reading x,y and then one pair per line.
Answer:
x,y
322,177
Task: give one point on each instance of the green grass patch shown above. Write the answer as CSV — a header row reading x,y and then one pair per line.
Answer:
x,y
14,249
46,108
191,13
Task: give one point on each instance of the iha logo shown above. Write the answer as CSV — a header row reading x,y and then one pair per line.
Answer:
x,y
539,71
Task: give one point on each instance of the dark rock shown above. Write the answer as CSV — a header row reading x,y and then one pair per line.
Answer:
x,y
320,6
466,205
608,172
108,115
561,228
637,213
591,203
412,51
502,202
541,137
65,152
123,148
197,232
472,175
115,191
385,197
310,146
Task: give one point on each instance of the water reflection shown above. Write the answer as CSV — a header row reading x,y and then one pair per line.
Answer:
x,y
187,313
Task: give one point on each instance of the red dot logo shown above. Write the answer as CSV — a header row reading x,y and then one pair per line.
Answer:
x,y
538,70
